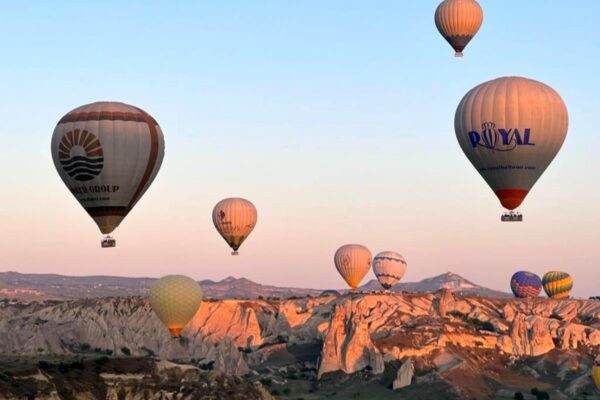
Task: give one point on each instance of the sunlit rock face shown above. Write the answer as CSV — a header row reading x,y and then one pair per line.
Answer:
x,y
354,332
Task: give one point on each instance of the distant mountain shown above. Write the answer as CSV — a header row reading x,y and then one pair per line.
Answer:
x,y
14,285
449,280
231,287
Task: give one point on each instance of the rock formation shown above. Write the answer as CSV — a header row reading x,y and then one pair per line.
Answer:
x,y
445,333
405,375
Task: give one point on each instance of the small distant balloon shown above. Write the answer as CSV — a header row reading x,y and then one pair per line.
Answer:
x,y
458,21
557,285
525,284
234,218
353,262
389,267
175,299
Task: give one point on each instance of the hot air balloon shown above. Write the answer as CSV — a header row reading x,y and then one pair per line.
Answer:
x,y
458,21
175,299
510,129
596,372
352,262
525,284
234,218
107,154
557,285
389,267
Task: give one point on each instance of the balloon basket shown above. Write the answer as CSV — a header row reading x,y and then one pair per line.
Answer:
x,y
108,241
235,253
512,216
458,54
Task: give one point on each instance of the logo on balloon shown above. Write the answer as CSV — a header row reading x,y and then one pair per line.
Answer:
x,y
81,155
500,139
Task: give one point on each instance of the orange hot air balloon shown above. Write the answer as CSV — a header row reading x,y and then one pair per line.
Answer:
x,y
458,21
234,218
353,262
511,129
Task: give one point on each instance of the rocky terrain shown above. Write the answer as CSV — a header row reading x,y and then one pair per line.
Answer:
x,y
28,287
338,346
118,378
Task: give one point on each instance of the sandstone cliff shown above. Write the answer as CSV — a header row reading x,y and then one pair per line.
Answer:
x,y
450,335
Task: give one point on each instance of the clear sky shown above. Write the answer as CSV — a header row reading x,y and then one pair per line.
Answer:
x,y
334,117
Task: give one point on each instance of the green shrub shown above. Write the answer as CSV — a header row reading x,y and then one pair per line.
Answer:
x,y
43,365
266,381
126,351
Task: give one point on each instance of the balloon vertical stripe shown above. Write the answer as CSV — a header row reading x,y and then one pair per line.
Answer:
x,y
352,262
234,219
458,21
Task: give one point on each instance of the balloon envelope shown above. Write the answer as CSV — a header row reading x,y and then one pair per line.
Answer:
x,y
596,372
557,285
511,129
458,21
175,299
234,218
525,284
107,154
389,267
352,262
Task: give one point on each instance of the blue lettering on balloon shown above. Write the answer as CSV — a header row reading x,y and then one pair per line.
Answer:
x,y
510,138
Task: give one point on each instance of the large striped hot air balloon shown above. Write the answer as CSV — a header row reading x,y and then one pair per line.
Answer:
x,y
352,262
557,285
175,299
511,129
389,267
458,21
234,219
596,372
525,284
107,154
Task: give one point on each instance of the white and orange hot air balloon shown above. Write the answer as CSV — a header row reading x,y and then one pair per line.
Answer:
x,y
234,218
352,262
389,267
107,154
510,129
175,299
458,21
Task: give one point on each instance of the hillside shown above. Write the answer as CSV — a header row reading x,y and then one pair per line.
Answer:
x,y
449,280
422,344
25,287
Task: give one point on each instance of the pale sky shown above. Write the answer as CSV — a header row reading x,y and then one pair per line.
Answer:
x,y
334,118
